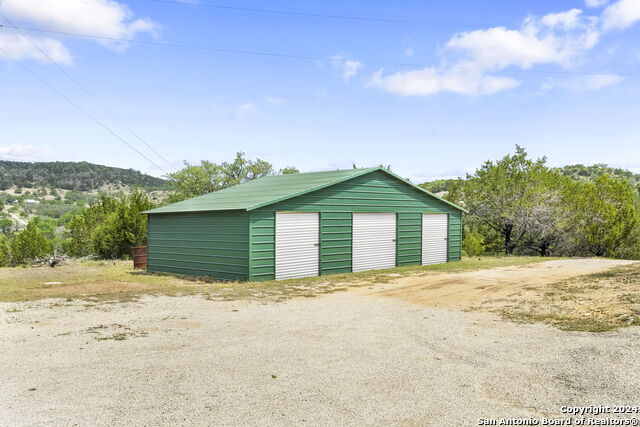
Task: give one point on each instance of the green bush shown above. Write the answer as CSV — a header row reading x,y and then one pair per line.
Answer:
x,y
109,228
5,258
30,244
473,244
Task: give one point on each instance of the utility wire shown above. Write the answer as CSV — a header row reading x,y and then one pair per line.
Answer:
x,y
79,108
85,90
294,56
309,14
196,47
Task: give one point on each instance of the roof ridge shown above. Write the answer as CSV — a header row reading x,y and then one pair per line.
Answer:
x,y
263,191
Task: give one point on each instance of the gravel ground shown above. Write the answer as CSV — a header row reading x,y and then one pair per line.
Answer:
x,y
340,359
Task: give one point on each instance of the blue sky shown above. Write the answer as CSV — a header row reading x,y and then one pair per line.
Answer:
x,y
499,73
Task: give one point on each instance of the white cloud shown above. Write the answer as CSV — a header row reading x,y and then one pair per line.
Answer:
x,y
595,3
472,58
348,67
581,83
25,152
596,82
351,69
20,48
107,18
543,41
569,19
621,15
465,79
275,101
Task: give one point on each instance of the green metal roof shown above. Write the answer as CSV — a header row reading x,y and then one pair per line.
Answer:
x,y
272,189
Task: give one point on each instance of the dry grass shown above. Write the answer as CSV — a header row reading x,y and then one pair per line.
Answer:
x,y
103,281
595,303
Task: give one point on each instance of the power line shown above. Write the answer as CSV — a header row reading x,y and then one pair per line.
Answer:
x,y
77,106
295,56
309,14
204,48
86,91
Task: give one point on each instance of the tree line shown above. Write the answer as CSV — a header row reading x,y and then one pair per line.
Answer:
x,y
521,206
82,176
517,206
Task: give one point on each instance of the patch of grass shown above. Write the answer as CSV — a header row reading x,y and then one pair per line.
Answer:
x,y
119,336
631,298
116,281
122,332
597,302
565,323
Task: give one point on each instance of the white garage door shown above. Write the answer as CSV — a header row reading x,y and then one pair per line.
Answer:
x,y
434,238
374,241
297,241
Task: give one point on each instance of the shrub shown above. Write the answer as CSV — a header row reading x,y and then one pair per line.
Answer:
x,y
473,244
30,244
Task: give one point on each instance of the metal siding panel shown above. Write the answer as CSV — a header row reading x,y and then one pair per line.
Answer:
x,y
297,241
200,244
434,238
262,246
335,242
455,236
374,241
409,238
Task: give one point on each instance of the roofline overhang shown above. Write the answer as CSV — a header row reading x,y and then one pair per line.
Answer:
x,y
320,187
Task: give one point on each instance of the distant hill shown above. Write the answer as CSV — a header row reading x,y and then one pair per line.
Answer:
x,y
438,186
578,172
81,176
592,172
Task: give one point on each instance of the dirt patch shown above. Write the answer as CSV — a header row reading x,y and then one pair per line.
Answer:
x,y
88,289
467,290
596,302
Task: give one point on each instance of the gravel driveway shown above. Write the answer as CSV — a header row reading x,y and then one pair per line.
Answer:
x,y
340,359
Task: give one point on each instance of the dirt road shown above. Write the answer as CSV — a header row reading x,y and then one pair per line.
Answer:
x,y
348,358
465,290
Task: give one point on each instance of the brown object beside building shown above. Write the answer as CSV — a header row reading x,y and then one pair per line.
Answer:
x,y
140,257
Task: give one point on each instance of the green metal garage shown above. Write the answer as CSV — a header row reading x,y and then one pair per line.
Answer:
x,y
308,224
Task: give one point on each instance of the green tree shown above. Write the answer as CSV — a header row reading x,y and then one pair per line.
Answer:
x,y
123,228
289,170
606,216
6,225
81,225
473,244
5,256
30,244
438,185
501,195
196,180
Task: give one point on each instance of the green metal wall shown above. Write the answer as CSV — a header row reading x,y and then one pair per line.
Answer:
x,y
409,248
373,192
212,244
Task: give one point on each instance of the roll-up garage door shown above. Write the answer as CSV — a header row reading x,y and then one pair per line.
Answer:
x,y
434,238
297,240
374,241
